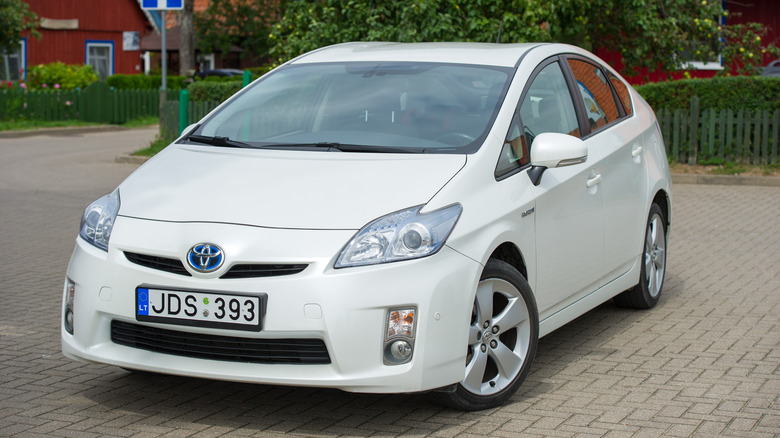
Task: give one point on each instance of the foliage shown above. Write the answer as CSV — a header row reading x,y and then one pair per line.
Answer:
x,y
259,71
60,75
660,35
734,93
213,91
15,18
142,82
306,26
244,23
743,51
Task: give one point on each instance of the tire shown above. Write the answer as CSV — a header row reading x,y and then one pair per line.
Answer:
x,y
503,335
651,276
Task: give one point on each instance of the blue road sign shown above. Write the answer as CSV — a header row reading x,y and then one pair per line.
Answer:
x,y
162,4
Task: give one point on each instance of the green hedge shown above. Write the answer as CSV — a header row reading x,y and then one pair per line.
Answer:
x,y
734,93
213,91
143,82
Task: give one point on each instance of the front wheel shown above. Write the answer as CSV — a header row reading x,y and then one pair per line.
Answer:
x,y
503,334
651,276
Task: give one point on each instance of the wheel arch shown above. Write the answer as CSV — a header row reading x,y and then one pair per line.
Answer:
x,y
662,199
508,253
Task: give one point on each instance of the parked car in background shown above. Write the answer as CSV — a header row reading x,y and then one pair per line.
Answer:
x,y
380,217
772,69
222,72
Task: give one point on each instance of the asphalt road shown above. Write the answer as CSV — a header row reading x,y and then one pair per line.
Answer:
x,y
705,362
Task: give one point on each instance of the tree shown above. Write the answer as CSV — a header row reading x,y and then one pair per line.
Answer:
x,y
659,35
244,23
15,18
186,38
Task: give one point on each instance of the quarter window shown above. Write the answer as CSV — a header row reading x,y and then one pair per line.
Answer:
x,y
622,92
547,106
600,107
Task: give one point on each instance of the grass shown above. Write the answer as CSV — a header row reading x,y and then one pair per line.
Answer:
x,y
154,147
27,125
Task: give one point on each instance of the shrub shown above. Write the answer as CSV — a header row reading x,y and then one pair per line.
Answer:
x,y
136,82
213,91
734,93
259,71
60,75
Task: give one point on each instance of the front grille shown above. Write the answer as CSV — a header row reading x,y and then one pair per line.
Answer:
x,y
223,348
175,266
256,270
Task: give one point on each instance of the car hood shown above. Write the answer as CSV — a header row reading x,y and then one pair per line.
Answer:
x,y
282,189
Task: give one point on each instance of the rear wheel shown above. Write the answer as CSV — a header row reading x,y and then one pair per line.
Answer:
x,y
651,277
503,334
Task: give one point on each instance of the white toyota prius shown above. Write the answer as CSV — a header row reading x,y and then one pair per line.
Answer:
x,y
380,217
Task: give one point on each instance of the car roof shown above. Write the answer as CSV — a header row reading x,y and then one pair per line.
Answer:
x,y
503,55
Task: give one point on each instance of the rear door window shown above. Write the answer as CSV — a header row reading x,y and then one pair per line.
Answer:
x,y
595,92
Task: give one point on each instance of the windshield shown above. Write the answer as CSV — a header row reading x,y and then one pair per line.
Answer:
x,y
398,107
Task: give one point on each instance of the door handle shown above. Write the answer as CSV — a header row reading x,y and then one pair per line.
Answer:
x,y
593,181
637,151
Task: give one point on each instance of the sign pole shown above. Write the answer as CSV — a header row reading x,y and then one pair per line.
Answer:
x,y
163,65
164,53
162,6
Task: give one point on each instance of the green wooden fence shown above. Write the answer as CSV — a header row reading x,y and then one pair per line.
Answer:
x,y
695,136
96,103
169,119
691,135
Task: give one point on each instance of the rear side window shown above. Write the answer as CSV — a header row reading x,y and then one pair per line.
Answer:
x,y
600,107
622,92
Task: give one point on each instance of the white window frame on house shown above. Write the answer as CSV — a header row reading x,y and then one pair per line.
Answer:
x,y
21,56
698,65
206,60
711,65
100,44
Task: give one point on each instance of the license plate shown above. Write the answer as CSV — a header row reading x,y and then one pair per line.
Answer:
x,y
199,308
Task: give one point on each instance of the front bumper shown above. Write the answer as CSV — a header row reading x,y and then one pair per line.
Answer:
x,y
345,308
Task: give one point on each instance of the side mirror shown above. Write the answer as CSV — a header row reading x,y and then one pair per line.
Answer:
x,y
551,149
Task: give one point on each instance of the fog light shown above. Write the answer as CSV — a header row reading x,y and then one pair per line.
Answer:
x,y
401,350
70,295
399,336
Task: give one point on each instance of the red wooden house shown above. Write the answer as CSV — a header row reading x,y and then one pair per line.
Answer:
x,y
766,12
103,33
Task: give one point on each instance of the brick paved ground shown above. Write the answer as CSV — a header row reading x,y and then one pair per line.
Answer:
x,y
705,362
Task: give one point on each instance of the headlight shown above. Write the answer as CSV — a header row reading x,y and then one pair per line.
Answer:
x,y
98,220
403,235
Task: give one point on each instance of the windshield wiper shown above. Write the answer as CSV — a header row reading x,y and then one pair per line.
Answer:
x,y
218,141
340,147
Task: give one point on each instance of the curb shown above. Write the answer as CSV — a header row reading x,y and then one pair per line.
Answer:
x,y
131,159
62,131
726,180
